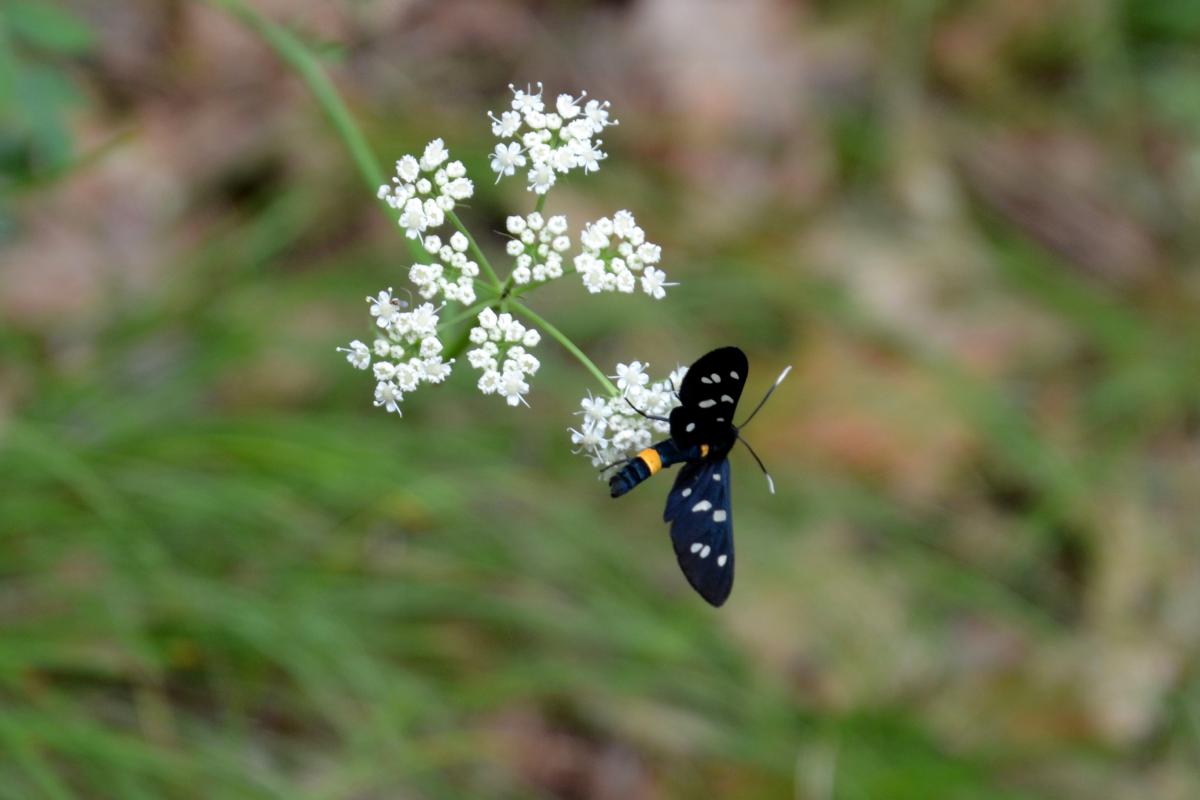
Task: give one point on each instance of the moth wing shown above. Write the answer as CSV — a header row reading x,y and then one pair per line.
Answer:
x,y
699,510
709,396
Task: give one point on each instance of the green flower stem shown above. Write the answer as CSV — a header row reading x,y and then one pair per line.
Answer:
x,y
296,55
473,311
455,349
475,251
561,338
541,204
521,291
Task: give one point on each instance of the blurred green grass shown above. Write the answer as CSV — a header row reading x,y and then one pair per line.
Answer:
x,y
225,575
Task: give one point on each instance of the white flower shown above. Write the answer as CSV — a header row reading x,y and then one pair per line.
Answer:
x,y
537,247
632,374
435,370
612,429
506,125
384,370
435,154
589,156
502,355
388,395
652,283
554,142
413,332
382,305
406,377
358,355
489,382
413,220
423,202
525,101
541,178
590,439
649,253
567,106
513,387
506,159
603,270
595,409
457,189
597,114
408,169
430,346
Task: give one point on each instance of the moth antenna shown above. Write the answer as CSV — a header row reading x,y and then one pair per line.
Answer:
x,y
766,397
643,413
770,480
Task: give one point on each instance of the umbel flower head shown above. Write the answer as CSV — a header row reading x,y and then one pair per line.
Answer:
x,y
550,141
611,430
615,254
537,246
425,188
503,355
452,275
407,352
542,140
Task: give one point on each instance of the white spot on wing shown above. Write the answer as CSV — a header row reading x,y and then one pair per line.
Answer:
x,y
696,547
727,398
704,553
717,477
721,560
686,492
703,505
705,380
691,426
715,378
707,403
733,375
719,515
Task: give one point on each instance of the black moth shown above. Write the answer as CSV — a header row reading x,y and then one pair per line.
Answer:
x,y
702,434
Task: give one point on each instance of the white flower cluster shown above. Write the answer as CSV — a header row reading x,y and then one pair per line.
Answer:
x,y
408,353
614,252
502,355
550,142
537,245
424,189
453,277
611,430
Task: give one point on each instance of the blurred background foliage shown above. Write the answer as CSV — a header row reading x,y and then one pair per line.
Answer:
x,y
970,224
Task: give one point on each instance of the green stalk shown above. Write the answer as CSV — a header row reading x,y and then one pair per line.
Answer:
x,y
467,313
568,345
474,247
296,55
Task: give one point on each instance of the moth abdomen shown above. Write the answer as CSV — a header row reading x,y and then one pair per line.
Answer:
x,y
650,461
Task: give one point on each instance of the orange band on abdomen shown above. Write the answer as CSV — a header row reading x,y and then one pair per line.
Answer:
x,y
703,451
652,458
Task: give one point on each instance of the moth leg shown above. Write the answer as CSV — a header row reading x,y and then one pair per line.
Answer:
x,y
618,462
643,413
